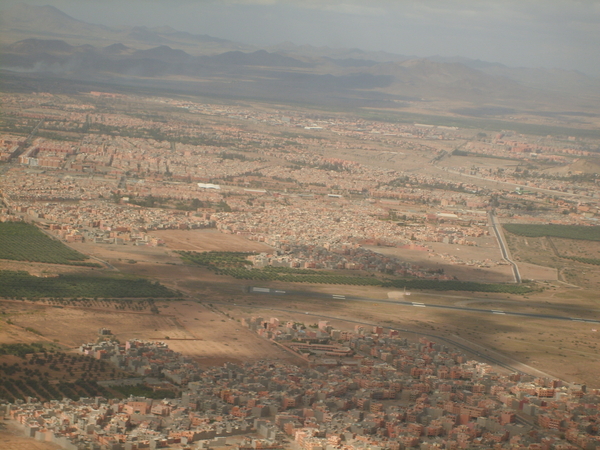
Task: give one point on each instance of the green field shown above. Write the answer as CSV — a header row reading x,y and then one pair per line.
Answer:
x,y
580,232
20,241
236,265
22,285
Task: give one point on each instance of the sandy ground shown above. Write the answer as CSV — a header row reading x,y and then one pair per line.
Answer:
x,y
12,438
542,251
209,240
494,274
114,253
191,328
219,338
13,442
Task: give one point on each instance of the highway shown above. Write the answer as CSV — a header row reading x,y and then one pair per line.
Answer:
x,y
261,290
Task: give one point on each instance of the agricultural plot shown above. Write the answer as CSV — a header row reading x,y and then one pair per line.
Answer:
x,y
580,232
21,241
22,285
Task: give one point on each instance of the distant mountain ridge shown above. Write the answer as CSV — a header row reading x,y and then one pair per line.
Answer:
x,y
287,69
46,21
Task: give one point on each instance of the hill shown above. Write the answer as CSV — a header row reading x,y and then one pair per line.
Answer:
x,y
52,42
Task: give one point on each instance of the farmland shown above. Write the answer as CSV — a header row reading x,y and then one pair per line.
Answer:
x,y
21,241
22,285
580,232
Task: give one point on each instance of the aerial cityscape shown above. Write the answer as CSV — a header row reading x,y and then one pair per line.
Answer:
x,y
214,238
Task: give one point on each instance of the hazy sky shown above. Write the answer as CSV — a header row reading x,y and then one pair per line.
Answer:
x,y
532,33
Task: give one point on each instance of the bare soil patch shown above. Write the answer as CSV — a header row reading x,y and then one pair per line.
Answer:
x,y
138,253
13,442
542,251
478,262
219,336
209,240
191,328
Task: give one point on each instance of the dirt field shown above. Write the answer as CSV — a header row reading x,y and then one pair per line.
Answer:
x,y
466,272
190,328
125,253
219,338
542,251
209,240
12,442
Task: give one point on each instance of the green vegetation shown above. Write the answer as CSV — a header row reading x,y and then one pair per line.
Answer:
x,y
24,349
47,374
216,260
580,232
581,259
236,264
22,285
21,241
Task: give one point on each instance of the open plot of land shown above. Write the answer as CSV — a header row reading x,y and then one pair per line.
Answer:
x,y
139,253
543,251
472,271
189,327
209,240
575,247
11,438
219,337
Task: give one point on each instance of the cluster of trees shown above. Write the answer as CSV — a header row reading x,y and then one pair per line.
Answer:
x,y
235,264
581,259
216,260
45,389
20,349
21,241
21,285
580,232
116,303
44,375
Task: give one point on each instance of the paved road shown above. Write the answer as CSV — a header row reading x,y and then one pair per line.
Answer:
x,y
503,250
260,290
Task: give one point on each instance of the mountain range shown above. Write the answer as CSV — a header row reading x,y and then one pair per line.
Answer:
x,y
43,40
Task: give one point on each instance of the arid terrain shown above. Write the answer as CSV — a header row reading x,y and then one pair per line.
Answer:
x,y
206,324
